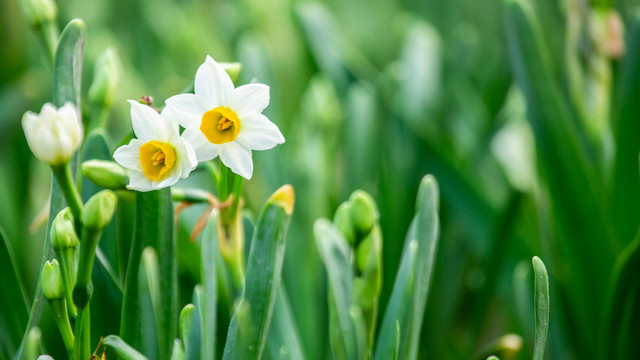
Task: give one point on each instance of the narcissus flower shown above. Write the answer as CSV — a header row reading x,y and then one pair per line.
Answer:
x,y
159,156
226,121
54,134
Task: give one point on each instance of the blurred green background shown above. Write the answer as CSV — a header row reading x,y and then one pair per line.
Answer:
x,y
372,95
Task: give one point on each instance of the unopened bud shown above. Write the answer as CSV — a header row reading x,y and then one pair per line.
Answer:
x,y
363,211
51,281
106,174
63,233
342,221
39,11
105,78
233,69
99,210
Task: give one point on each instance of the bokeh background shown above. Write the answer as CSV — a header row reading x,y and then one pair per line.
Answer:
x,y
372,95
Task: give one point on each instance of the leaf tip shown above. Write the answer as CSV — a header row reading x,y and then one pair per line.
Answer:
x,y
284,197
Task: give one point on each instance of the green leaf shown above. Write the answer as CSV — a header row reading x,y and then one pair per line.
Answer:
x,y
624,286
149,295
153,226
541,300
283,340
121,348
190,330
248,330
13,321
208,303
392,340
427,234
67,64
335,253
573,184
67,71
626,185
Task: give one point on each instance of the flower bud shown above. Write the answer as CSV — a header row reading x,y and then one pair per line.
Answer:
x,y
39,11
51,281
104,173
63,233
342,221
363,211
232,69
54,134
99,210
105,78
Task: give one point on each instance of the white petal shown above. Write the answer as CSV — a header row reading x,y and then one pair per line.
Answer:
x,y
213,83
167,125
187,160
189,109
144,120
139,182
260,133
129,155
237,156
69,113
203,149
248,99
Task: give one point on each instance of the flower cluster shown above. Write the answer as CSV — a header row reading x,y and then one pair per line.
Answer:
x,y
218,120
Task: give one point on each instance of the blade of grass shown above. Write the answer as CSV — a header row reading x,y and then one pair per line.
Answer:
x,y
248,330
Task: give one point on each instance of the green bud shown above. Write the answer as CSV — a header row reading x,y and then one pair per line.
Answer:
x,y
106,76
98,211
106,174
63,233
51,281
233,69
342,221
363,211
39,11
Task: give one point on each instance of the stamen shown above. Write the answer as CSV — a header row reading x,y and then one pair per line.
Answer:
x,y
224,124
158,157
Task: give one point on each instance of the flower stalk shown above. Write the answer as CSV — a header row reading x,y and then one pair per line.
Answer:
x,y
53,291
62,174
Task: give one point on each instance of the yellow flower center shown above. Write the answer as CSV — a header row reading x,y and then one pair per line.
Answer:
x,y
157,158
220,125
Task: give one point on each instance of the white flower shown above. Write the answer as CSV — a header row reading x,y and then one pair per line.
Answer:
x,y
159,156
54,134
222,120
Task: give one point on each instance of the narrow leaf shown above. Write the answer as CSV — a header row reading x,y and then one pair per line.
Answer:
x,y
208,302
250,323
427,234
541,300
153,226
283,340
121,348
149,295
13,321
335,253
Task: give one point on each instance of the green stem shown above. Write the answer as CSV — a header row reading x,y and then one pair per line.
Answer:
x,y
77,344
67,259
88,244
223,182
69,190
62,320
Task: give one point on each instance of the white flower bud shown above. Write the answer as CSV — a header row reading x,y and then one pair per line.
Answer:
x,y
54,134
